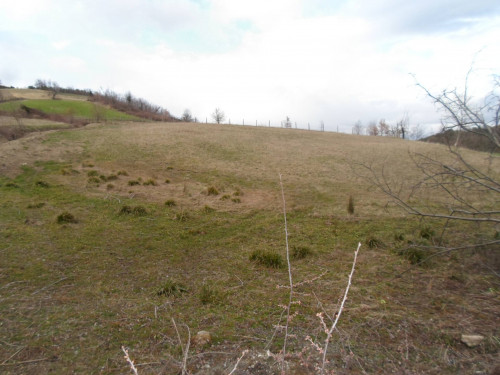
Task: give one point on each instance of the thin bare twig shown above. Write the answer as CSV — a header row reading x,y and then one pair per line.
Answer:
x,y
337,317
24,362
289,279
130,362
238,362
185,351
48,286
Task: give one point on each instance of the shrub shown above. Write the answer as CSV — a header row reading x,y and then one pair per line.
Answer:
x,y
238,193
87,165
122,173
350,205
103,177
66,217
134,183
171,289
236,200
11,185
208,209
112,177
300,252
110,186
267,258
212,191
92,173
167,181
170,203
225,197
42,184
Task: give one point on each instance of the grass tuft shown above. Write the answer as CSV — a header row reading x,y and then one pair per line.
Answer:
x,y
150,182
170,203
36,205
171,289
350,205
42,184
210,295
267,258
66,217
212,191
208,209
137,210
427,232
301,252
374,243
134,182
181,216
415,256
94,180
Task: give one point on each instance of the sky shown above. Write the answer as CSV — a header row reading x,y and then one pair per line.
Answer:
x,y
331,61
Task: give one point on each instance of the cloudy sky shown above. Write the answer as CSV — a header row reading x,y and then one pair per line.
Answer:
x,y
337,61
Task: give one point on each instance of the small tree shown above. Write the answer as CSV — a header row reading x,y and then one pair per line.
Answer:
x,y
187,116
218,115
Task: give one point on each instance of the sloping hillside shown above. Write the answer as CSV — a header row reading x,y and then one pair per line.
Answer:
x,y
471,140
112,232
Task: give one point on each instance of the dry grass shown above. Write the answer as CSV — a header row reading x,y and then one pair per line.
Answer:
x,y
73,294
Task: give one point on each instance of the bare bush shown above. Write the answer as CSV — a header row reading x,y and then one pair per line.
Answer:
x,y
456,187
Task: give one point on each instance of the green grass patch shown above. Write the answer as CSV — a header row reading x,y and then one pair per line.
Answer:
x,y
77,108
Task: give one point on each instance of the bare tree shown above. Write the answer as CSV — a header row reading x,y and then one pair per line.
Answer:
x,y
357,128
455,187
187,116
218,115
383,128
372,128
416,132
403,126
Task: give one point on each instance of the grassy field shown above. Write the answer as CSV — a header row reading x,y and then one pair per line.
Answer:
x,y
109,232
34,94
76,108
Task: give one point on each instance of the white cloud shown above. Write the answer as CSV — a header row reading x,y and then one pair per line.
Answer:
x,y
259,60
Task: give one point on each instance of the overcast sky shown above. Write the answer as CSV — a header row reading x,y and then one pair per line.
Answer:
x,y
312,60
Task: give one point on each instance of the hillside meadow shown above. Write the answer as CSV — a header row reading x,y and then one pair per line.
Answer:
x,y
111,232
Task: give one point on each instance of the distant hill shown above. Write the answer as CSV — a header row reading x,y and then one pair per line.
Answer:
x,y
473,141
